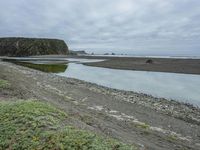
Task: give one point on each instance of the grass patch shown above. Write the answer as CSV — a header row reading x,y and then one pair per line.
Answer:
x,y
172,138
4,83
142,126
36,125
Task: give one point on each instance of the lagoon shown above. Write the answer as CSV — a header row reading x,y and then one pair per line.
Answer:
x,y
176,86
181,87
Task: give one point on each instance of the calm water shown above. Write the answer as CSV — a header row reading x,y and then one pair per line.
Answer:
x,y
182,87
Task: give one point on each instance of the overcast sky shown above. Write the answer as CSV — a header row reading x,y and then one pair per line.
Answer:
x,y
146,27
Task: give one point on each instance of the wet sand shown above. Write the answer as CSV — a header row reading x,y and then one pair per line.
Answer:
x,y
187,66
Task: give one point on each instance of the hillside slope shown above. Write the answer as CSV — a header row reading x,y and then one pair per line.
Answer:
x,y
32,46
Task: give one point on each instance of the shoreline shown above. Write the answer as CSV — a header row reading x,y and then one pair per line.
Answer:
x,y
61,61
128,116
170,65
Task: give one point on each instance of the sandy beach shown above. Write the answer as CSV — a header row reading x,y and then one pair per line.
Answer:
x,y
174,65
134,118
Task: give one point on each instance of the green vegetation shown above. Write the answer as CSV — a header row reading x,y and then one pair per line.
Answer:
x,y
37,125
172,138
32,46
142,125
50,68
4,83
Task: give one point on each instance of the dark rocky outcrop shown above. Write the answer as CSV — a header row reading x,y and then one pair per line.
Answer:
x,y
149,61
72,52
32,46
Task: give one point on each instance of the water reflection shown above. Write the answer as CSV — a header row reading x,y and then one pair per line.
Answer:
x,y
182,87
49,68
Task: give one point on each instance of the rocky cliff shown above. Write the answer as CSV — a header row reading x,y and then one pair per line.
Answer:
x,y
32,46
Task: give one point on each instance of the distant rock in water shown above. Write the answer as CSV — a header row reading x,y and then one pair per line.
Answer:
x,y
32,46
72,52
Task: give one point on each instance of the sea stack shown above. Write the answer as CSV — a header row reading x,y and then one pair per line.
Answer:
x,y
32,46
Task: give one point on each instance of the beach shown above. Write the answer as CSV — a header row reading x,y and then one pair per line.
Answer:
x,y
173,65
133,118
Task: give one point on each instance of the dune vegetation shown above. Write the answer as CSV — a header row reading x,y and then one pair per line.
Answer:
x,y
33,124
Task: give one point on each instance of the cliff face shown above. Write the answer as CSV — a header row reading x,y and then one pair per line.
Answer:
x,y
32,46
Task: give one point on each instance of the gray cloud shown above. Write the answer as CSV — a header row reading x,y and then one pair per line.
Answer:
x,y
134,26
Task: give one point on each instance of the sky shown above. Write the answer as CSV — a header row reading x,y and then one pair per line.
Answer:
x,y
140,27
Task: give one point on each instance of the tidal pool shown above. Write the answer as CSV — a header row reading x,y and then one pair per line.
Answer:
x,y
181,87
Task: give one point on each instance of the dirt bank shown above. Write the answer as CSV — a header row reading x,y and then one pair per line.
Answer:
x,y
150,123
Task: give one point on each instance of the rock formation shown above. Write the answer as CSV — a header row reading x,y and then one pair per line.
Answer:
x,y
32,46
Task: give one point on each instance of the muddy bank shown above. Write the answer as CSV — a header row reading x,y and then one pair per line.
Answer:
x,y
149,122
187,66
